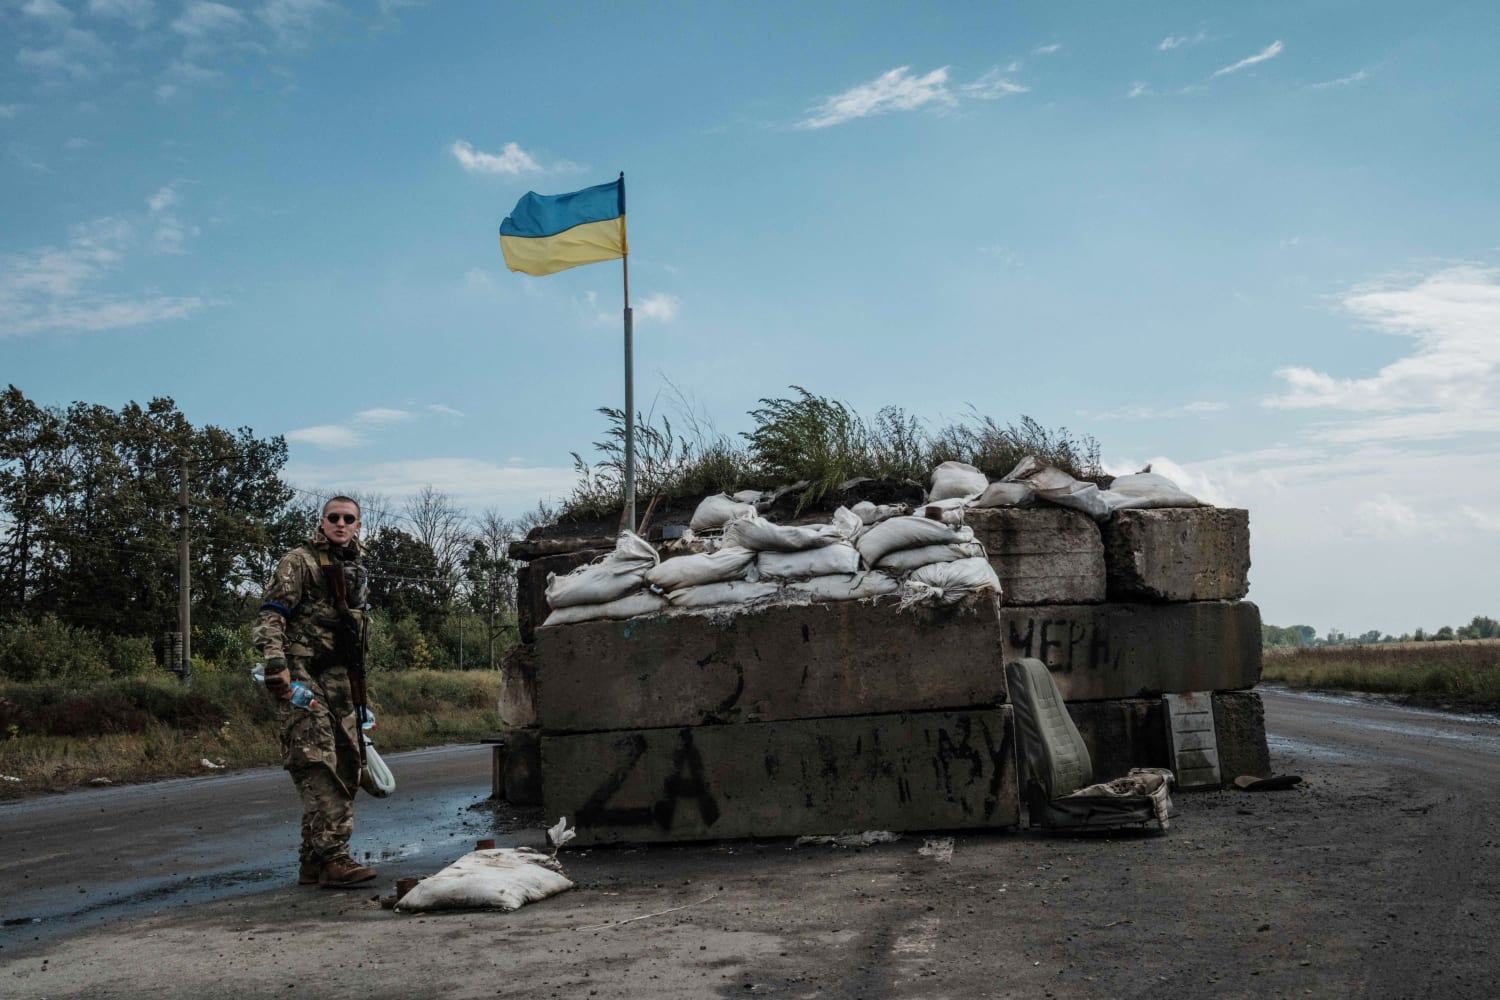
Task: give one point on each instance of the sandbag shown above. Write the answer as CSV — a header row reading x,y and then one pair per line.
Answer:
x,y
949,511
748,496
1145,490
640,603
728,562
906,560
1055,486
503,878
956,479
824,561
718,595
1006,495
760,535
607,578
716,511
949,582
909,532
869,513
846,586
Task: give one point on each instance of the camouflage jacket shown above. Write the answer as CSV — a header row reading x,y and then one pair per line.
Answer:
x,y
297,613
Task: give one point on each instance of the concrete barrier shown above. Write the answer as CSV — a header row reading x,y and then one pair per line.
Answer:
x,y
531,587
1099,651
1186,554
767,664
1043,555
1240,721
923,771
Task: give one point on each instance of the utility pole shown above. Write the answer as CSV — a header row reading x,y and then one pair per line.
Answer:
x,y
461,623
184,578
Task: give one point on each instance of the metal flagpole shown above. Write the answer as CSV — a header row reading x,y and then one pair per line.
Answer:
x,y
629,386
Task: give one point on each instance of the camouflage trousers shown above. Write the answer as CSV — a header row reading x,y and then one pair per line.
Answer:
x,y
318,747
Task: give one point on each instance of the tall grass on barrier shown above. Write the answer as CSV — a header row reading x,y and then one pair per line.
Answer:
x,y
1456,672
56,735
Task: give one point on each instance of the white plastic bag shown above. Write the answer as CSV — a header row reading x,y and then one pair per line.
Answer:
x,y
719,595
823,561
911,532
956,479
729,562
757,533
906,560
715,511
1005,495
607,578
846,587
949,582
640,603
376,778
503,878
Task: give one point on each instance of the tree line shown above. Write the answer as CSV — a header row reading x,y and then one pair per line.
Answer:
x,y
89,518
1481,627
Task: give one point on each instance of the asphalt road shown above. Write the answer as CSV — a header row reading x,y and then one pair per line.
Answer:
x,y
1379,877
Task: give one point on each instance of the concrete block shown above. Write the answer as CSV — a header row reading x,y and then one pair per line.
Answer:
x,y
1043,555
924,771
770,663
1098,651
1122,733
531,587
1178,554
518,686
1240,721
522,767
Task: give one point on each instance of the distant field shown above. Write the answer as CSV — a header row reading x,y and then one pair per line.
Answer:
x,y
55,736
1447,673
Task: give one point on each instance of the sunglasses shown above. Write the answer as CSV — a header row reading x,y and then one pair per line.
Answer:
x,y
347,518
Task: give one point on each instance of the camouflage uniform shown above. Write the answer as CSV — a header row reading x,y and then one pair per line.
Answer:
x,y
318,746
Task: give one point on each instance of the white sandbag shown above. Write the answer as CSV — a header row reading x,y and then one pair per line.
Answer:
x,y
1055,486
748,496
824,561
950,512
1145,490
910,532
716,511
640,603
1005,495
956,479
607,578
719,595
949,582
869,513
847,523
728,562
906,560
757,533
503,878
846,586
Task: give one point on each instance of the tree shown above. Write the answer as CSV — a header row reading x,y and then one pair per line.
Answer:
x,y
439,525
491,576
404,579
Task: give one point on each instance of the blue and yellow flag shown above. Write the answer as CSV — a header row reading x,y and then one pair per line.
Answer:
x,y
547,233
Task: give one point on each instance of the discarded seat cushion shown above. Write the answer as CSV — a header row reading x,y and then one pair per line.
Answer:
x,y
956,479
504,878
631,606
825,560
722,595
718,510
608,578
728,562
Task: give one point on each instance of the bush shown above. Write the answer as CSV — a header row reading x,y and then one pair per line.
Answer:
x,y
48,649
398,645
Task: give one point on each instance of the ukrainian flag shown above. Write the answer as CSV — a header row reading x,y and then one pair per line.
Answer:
x,y
547,233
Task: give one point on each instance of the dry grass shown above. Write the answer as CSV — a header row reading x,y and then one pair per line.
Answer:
x,y
1453,673
414,709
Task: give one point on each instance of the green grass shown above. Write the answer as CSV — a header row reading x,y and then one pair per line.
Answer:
x,y
55,735
1459,673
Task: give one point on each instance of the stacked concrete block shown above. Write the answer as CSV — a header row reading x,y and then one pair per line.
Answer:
x,y
1043,555
783,719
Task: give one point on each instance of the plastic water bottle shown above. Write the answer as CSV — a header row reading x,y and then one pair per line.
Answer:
x,y
302,696
366,718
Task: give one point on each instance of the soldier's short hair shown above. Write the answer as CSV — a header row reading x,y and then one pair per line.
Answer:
x,y
340,499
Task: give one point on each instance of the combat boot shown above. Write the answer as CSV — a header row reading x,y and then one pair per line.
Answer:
x,y
342,871
308,871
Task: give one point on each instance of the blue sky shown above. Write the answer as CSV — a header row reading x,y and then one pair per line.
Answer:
x,y
1255,244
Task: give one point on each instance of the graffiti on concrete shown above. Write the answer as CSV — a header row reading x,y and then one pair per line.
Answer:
x,y
687,780
1064,644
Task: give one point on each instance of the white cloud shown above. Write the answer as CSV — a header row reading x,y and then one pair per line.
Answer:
x,y
327,436
48,11
1484,520
169,232
1137,89
899,90
511,159
478,278
294,21
473,483
1450,383
658,306
1343,81
203,19
1269,52
166,91
382,415
74,53
163,199
1047,50
77,142
136,13
445,410
1160,412
1384,515
54,288
1179,41
9,110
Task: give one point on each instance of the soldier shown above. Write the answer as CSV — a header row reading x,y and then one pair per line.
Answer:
x,y
312,630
